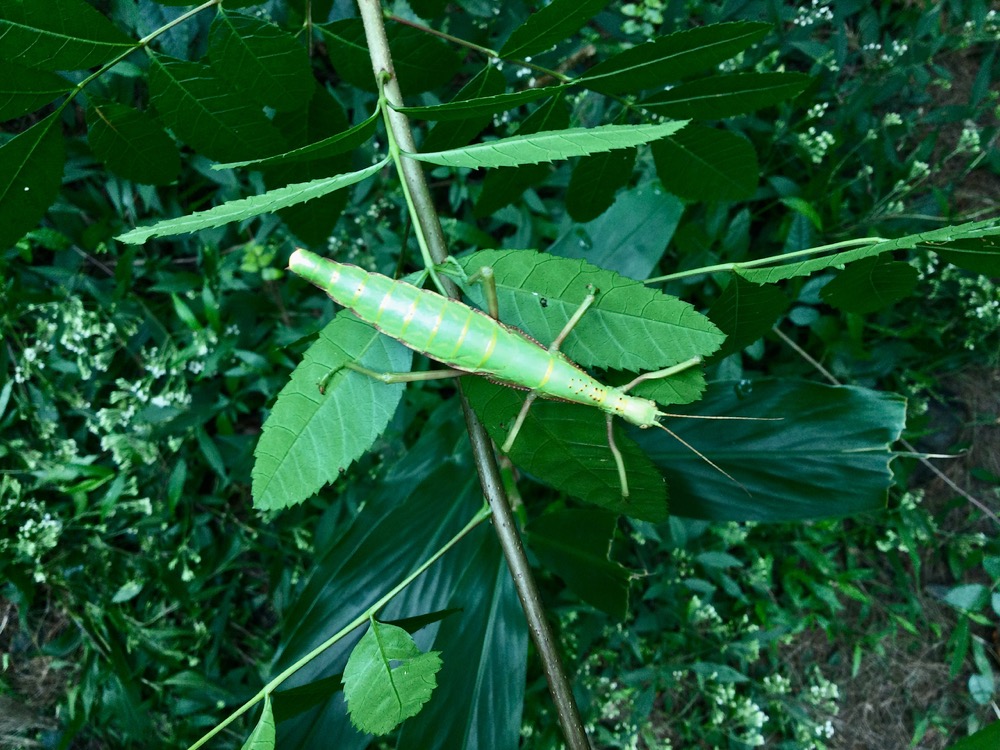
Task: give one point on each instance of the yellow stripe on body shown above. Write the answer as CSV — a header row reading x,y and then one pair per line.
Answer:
x,y
489,349
408,318
548,374
434,332
382,306
462,335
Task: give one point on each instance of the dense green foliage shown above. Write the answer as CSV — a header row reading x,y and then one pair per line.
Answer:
x,y
138,371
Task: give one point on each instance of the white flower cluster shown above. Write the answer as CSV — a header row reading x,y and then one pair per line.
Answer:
x,y
644,17
816,143
30,529
812,14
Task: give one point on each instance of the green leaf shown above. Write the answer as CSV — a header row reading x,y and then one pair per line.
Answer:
x,y
461,109
485,650
24,90
205,112
332,146
703,164
669,58
630,238
263,735
380,696
566,446
421,61
981,255
247,208
829,457
132,144
576,546
503,186
987,738
968,597
981,688
487,83
629,326
58,35
31,167
261,59
936,240
745,312
549,25
548,146
594,182
870,285
309,436
726,95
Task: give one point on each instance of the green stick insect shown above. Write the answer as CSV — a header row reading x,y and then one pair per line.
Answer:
x,y
470,342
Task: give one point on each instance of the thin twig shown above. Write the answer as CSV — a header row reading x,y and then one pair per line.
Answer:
x,y
482,448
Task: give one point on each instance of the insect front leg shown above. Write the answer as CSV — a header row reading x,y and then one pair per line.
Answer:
x,y
619,461
405,377
485,276
521,415
575,318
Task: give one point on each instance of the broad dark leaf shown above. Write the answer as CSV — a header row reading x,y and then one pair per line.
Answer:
x,y
981,254
31,167
726,95
595,181
745,312
24,90
828,457
870,284
550,24
701,163
132,143
487,83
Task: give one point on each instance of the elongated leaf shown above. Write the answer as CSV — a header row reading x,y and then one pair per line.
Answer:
x,y
31,167
332,146
595,181
549,25
830,457
935,240
262,736
261,59
870,285
387,679
629,326
669,58
745,312
205,112
503,186
311,436
486,83
548,146
981,255
986,738
700,163
566,447
24,90
576,546
630,237
247,208
421,61
485,659
132,144
58,35
481,107
726,95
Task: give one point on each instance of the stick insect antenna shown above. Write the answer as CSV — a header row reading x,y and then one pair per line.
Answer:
x,y
702,456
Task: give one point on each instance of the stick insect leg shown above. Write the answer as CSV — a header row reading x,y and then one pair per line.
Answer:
x,y
485,276
406,377
521,415
619,462
664,373
571,323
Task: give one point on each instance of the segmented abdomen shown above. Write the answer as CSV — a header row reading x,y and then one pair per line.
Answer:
x,y
451,332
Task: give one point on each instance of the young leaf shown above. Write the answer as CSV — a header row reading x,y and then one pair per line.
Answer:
x,y
576,546
381,695
669,58
549,25
263,735
870,285
701,163
310,436
487,83
960,237
726,95
566,447
629,326
205,112
548,146
31,167
58,35
336,144
131,143
745,312
595,181
247,208
480,107
24,90
835,443
261,59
